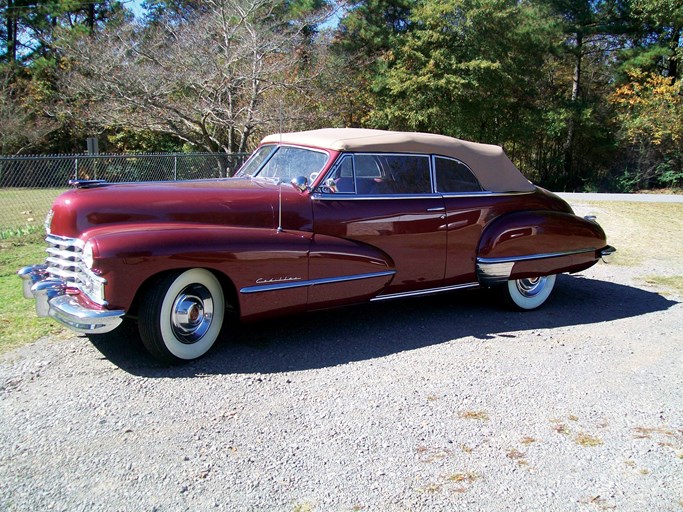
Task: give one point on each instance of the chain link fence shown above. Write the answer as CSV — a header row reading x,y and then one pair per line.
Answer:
x,y
29,184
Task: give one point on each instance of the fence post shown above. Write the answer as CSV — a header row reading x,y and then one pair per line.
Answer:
x,y
175,167
76,168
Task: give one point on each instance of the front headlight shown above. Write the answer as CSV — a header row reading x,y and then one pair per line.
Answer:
x,y
92,284
87,256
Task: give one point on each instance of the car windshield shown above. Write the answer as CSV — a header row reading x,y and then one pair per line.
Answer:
x,y
283,163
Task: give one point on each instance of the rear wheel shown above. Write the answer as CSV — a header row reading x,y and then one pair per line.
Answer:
x,y
529,293
181,315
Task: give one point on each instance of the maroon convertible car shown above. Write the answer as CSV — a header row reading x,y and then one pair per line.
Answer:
x,y
312,220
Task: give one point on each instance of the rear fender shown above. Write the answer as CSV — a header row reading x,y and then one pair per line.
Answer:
x,y
537,243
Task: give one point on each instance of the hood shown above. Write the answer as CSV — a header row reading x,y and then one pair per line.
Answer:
x,y
238,202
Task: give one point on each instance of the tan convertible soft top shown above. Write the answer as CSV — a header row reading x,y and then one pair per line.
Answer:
x,y
489,163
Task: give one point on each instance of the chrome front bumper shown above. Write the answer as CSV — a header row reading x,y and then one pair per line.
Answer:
x,y
52,300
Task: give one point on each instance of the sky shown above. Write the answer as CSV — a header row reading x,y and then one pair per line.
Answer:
x,y
136,7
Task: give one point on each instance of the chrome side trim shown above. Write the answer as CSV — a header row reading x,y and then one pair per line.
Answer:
x,y
314,282
317,196
607,253
543,256
428,291
492,271
487,193
350,196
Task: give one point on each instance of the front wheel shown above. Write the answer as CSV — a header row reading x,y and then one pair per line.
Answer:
x,y
529,293
181,315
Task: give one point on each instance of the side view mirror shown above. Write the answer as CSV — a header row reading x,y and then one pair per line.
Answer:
x,y
300,183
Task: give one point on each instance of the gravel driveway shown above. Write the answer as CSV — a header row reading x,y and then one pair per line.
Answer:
x,y
442,403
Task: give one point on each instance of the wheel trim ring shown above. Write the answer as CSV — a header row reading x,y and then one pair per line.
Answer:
x,y
192,314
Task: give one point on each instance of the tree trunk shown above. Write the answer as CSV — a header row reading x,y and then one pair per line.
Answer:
x,y
91,18
673,60
11,25
571,125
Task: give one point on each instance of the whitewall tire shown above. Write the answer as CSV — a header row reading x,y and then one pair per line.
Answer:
x,y
529,293
181,315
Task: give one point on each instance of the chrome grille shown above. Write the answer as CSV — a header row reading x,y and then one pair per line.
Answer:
x,y
65,261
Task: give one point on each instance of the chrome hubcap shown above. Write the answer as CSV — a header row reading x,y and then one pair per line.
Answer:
x,y
531,286
192,314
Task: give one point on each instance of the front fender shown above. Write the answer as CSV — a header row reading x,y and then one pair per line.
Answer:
x,y
536,243
128,257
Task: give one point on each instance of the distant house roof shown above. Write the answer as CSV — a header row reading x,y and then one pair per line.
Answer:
x,y
489,163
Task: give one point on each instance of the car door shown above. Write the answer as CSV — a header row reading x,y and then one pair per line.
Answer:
x,y
387,202
467,208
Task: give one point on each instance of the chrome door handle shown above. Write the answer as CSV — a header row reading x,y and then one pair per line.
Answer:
x,y
437,209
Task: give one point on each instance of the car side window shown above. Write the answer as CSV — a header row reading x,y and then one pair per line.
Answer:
x,y
342,178
454,176
367,166
379,174
407,174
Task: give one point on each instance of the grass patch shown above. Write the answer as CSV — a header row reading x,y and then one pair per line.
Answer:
x,y
647,234
23,209
474,415
641,231
584,439
515,454
468,477
20,232
559,427
18,321
306,506
429,455
647,432
673,282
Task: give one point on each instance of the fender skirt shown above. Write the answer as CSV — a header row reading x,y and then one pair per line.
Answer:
x,y
537,243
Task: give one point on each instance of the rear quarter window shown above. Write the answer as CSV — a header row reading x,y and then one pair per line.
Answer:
x,y
453,176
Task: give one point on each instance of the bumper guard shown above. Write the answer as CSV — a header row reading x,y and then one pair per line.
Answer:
x,y
52,300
